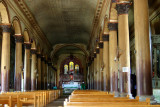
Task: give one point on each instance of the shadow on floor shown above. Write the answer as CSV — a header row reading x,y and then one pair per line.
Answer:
x,y
58,102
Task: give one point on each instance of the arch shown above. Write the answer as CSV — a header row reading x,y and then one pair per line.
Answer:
x,y
67,45
26,36
4,13
113,12
17,26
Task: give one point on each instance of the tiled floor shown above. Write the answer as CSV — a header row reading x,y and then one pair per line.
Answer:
x,y
58,102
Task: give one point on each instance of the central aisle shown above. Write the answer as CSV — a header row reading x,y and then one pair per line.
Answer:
x,y
58,102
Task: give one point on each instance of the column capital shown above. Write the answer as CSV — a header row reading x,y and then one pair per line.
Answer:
x,y
45,61
39,55
19,38
6,28
27,45
95,55
92,59
42,58
105,37
89,63
114,1
33,51
123,8
100,44
49,63
97,50
113,26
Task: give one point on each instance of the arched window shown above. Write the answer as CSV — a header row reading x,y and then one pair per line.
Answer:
x,y
77,68
65,69
71,66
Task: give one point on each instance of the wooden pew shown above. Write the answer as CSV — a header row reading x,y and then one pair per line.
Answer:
x,y
110,104
91,96
100,99
103,100
26,99
5,100
36,98
105,93
15,95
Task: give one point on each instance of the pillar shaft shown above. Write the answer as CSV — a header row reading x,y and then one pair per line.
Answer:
x,y
106,62
124,48
101,79
33,70
18,62
95,71
46,72
113,57
39,71
98,69
155,61
42,72
27,66
5,58
88,76
142,46
47,75
92,75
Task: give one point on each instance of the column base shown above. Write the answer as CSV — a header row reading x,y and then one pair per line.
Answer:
x,y
126,94
116,93
152,99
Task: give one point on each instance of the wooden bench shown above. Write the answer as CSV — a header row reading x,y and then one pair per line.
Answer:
x,y
27,99
5,100
106,93
100,99
36,98
110,104
16,94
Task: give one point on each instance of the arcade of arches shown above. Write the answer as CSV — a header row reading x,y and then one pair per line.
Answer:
x,y
108,45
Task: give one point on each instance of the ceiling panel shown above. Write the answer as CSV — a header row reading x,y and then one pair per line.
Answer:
x,y
64,21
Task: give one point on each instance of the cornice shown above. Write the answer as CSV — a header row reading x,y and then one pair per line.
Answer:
x,y
99,16
30,22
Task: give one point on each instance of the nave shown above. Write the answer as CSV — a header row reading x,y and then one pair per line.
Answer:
x,y
50,47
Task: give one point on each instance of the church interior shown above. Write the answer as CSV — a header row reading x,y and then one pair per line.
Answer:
x,y
83,52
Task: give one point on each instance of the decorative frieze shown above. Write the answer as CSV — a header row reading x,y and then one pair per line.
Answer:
x,y
19,38
105,37
6,28
123,8
113,26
